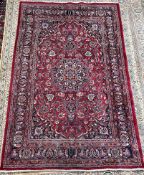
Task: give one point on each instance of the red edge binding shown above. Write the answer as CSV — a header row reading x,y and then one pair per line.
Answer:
x,y
128,82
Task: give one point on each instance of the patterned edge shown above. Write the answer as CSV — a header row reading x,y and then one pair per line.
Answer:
x,y
2,16
127,10
2,19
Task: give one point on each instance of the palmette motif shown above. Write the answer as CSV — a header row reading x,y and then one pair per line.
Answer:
x,y
70,103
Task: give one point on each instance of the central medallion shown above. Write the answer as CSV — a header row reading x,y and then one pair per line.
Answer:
x,y
70,75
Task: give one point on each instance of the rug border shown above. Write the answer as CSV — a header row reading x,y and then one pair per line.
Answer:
x,y
128,83
129,87
10,88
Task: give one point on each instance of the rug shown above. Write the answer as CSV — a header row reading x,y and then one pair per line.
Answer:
x,y
70,103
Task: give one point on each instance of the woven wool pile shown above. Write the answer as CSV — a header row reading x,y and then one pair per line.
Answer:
x,y
132,19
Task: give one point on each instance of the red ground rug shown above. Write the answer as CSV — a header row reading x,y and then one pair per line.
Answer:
x,y
70,103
